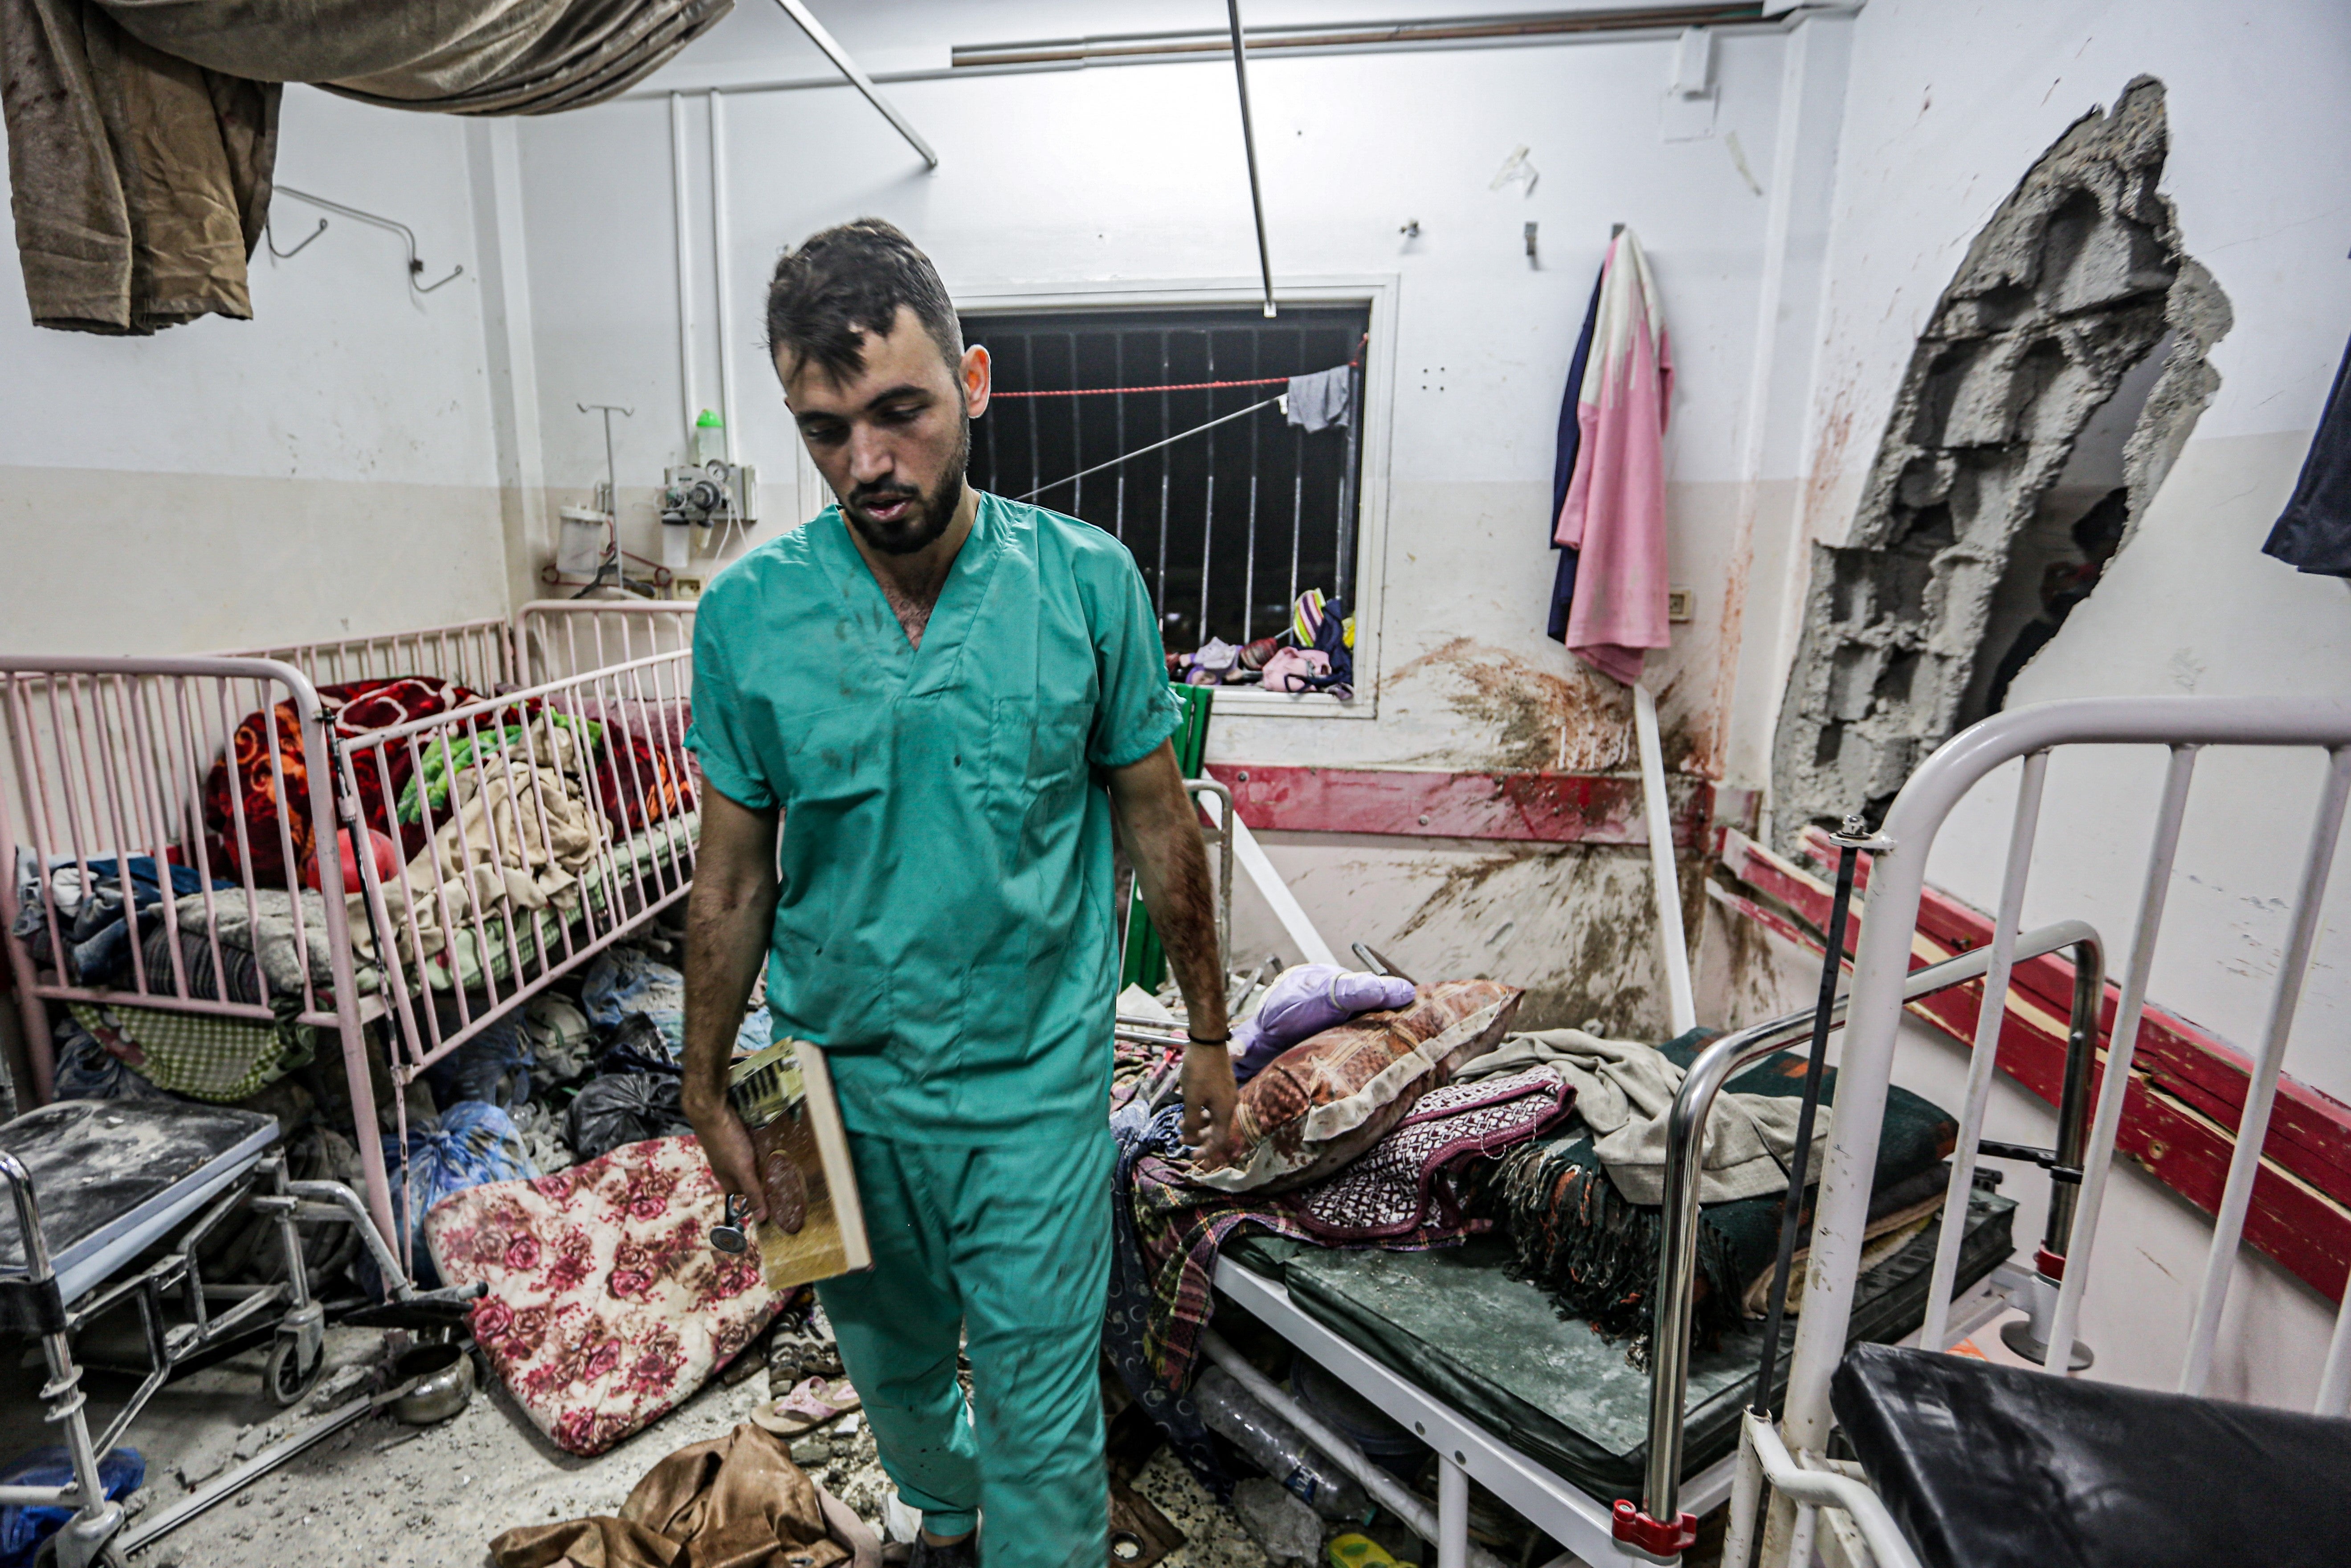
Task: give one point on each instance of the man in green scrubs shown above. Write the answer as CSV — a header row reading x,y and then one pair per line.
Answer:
x,y
918,718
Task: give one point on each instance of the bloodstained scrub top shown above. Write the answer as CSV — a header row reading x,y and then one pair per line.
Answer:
x,y
944,921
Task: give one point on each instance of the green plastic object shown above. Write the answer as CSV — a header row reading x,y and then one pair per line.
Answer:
x,y
1145,962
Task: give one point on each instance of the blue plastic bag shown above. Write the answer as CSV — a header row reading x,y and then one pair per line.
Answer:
x,y
468,1144
22,1528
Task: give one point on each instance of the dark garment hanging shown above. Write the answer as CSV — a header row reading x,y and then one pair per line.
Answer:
x,y
2314,533
1562,470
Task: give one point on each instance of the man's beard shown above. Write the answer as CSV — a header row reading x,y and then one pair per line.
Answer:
x,y
927,514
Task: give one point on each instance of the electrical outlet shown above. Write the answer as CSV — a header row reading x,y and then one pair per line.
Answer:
x,y
1681,604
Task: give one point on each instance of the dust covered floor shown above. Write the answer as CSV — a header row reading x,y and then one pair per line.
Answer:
x,y
433,1496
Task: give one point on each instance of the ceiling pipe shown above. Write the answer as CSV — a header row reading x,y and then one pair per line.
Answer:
x,y
1248,144
857,78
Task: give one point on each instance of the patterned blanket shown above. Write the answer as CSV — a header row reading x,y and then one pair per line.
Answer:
x,y
276,733
1402,1195
1595,1251
607,1305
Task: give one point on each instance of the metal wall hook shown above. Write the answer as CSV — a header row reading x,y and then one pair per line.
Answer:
x,y
269,233
415,263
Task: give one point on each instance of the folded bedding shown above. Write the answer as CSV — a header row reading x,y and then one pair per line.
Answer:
x,y
260,956
1592,1245
92,905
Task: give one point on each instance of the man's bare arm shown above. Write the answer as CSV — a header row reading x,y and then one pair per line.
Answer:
x,y
727,915
1161,830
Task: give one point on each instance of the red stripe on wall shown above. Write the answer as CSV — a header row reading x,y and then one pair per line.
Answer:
x,y
1539,808
2187,1096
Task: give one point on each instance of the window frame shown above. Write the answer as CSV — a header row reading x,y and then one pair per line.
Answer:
x,y
1375,291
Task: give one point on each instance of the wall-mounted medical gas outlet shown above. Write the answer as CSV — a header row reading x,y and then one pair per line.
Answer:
x,y
706,494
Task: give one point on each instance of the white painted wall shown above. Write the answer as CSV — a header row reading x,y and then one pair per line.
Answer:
x,y
1947,108
225,484
1135,174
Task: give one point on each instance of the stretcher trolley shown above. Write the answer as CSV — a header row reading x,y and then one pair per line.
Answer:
x,y
111,1201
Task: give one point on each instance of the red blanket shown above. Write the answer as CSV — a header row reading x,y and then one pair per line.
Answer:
x,y
354,709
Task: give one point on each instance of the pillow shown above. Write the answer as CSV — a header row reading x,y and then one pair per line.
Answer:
x,y
607,1305
1322,1101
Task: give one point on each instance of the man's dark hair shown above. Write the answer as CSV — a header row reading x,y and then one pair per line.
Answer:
x,y
849,280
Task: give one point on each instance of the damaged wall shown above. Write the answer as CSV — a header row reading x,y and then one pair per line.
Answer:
x,y
2075,279
1947,107
1146,182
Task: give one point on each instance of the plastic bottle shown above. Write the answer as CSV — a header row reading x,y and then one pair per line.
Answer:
x,y
709,437
1279,1448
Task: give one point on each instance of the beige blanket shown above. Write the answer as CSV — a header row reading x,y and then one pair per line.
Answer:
x,y
518,833
1623,1089
142,133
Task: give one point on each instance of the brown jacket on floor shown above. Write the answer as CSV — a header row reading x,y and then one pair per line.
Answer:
x,y
736,1501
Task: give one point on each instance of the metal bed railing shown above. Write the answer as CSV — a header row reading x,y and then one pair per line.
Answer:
x,y
107,760
107,764
556,637
1685,1152
1882,973
475,655
650,692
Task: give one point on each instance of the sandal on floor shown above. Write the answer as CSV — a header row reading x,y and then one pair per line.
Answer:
x,y
806,1408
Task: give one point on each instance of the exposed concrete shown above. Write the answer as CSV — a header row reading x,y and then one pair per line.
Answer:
x,y
2075,278
407,1496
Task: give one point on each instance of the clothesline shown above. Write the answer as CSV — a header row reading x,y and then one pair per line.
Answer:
x,y
1172,387
1178,386
1179,435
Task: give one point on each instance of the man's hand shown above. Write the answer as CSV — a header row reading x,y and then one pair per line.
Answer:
x,y
727,1144
726,918
1209,1096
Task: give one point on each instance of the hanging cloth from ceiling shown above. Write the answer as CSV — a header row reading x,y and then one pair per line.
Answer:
x,y
142,133
1614,515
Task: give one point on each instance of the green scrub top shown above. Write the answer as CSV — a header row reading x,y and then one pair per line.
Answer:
x,y
943,925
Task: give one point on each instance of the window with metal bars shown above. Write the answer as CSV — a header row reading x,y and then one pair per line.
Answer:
x,y
1229,523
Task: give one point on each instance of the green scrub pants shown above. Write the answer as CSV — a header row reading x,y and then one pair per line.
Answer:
x,y
1011,1243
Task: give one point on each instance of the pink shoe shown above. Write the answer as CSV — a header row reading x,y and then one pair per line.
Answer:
x,y
806,1408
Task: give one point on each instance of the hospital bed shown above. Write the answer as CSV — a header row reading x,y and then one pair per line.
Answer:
x,y
1547,1415
1960,1462
110,1202
1886,1452
107,770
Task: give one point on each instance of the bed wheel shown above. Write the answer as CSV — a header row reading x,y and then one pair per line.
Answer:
x,y
284,1376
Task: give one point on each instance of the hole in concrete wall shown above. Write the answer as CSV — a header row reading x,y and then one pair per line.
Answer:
x,y
2066,362
2056,558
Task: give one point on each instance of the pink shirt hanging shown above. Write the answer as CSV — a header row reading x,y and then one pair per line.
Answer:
x,y
1614,514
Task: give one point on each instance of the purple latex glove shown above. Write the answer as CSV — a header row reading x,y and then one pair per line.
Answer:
x,y
1303,1002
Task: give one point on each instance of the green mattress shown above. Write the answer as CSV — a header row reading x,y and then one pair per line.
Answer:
x,y
1495,1348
